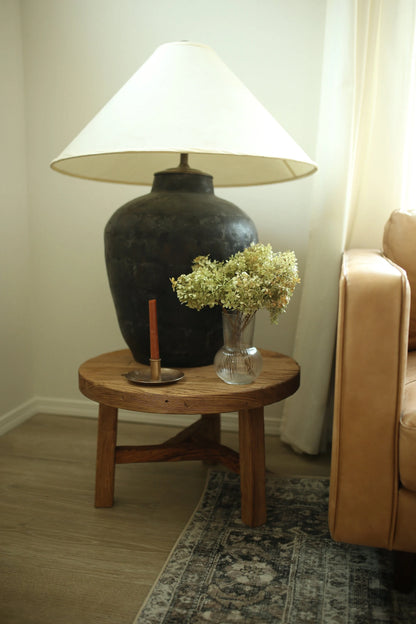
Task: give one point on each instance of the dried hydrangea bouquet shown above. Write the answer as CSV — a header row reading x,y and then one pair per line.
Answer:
x,y
248,281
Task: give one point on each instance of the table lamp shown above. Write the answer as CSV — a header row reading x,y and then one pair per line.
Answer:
x,y
182,120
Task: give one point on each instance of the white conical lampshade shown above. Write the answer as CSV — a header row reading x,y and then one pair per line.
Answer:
x,y
184,100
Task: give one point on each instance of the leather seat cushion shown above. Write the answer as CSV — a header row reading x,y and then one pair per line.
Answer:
x,y
407,434
399,245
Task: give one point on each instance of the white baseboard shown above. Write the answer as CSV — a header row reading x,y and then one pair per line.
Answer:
x,y
17,416
87,409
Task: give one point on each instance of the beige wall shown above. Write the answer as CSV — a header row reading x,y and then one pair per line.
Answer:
x,y
77,53
16,362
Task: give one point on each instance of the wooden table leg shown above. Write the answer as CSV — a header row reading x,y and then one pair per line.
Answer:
x,y
252,467
211,429
211,426
106,456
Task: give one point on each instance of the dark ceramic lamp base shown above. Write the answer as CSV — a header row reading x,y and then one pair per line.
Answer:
x,y
155,237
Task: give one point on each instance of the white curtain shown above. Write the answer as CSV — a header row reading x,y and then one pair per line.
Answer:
x,y
367,112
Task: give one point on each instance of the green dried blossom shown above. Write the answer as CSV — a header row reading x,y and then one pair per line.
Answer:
x,y
248,281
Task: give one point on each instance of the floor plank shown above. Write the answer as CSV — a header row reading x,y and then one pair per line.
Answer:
x,y
65,562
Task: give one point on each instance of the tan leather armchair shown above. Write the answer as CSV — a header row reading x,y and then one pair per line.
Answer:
x,y
373,470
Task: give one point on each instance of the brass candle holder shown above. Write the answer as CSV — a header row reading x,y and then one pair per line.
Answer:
x,y
154,374
155,369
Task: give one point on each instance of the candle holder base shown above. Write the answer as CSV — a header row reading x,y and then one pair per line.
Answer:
x,y
144,376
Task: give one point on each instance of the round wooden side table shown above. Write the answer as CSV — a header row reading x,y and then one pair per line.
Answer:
x,y
200,391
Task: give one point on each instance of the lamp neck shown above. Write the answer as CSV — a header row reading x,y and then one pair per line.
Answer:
x,y
183,179
184,167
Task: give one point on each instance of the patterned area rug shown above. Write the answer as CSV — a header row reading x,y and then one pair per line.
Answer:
x,y
288,571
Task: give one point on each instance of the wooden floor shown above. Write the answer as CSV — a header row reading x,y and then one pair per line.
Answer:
x,y
65,562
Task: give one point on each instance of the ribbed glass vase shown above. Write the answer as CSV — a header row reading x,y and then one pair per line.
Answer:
x,y
238,361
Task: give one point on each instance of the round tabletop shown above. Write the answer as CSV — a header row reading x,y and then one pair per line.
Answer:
x,y
200,391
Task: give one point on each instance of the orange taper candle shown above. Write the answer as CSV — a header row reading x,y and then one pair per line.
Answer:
x,y
154,336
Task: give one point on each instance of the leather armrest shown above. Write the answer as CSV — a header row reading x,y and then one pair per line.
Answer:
x,y
372,339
